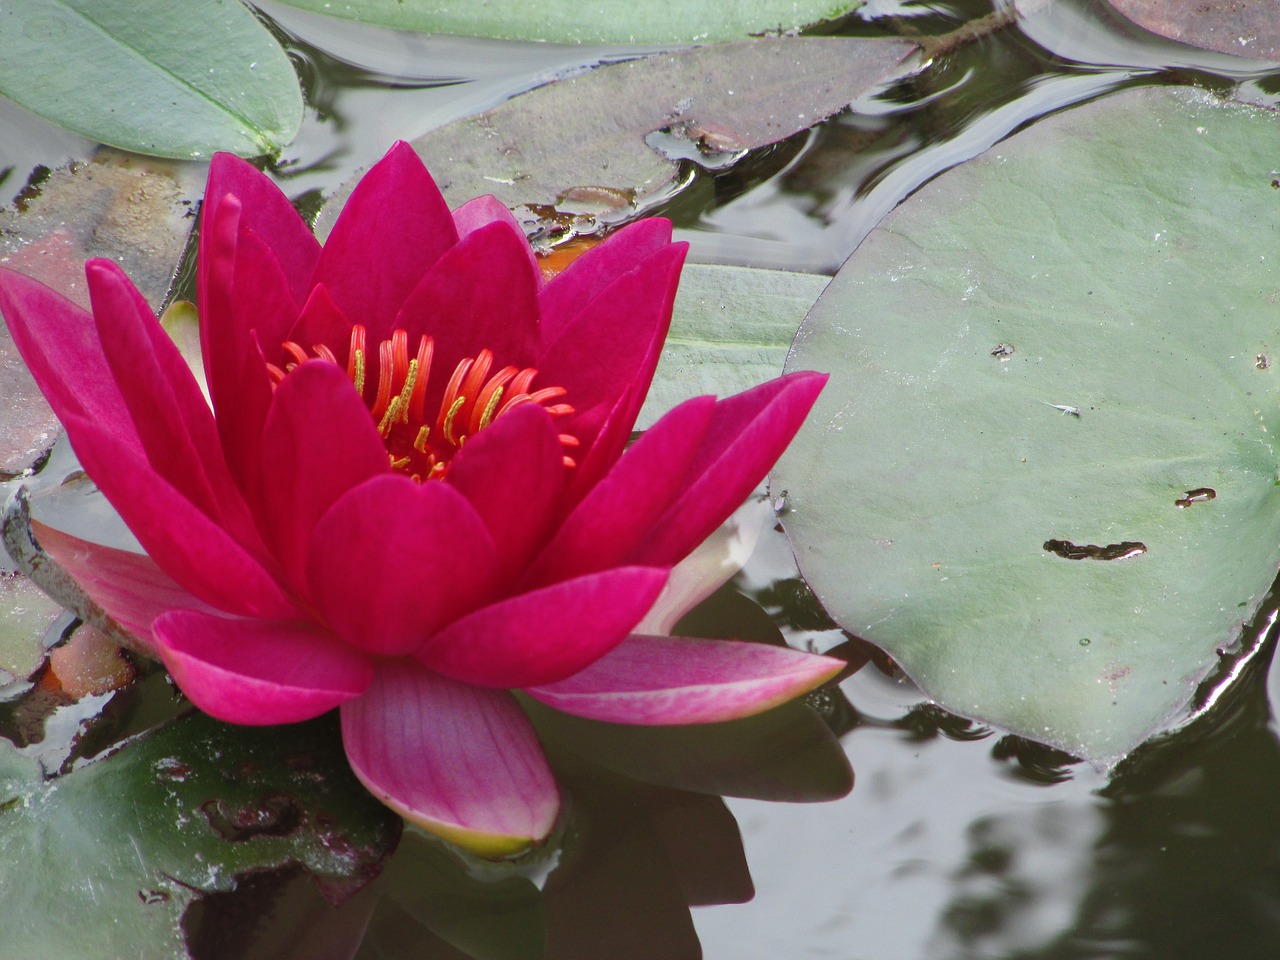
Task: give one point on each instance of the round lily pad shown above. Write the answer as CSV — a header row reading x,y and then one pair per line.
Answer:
x,y
1044,473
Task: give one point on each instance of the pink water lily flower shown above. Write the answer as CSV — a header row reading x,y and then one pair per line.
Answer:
x,y
415,490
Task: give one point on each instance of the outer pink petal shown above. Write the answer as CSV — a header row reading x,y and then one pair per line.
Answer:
x,y
612,346
747,435
128,586
481,211
459,761
167,405
393,228
59,342
670,680
545,635
392,561
320,442
186,544
481,293
513,474
259,672
605,527
269,214
567,294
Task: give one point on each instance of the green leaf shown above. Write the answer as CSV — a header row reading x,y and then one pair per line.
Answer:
x,y
123,845
1243,29
604,21
148,77
1124,251
730,331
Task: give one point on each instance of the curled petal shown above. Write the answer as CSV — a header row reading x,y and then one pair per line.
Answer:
x,y
460,761
669,680
259,671
545,635
268,213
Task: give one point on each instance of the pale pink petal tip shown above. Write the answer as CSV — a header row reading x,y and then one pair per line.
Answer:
x,y
460,762
258,672
675,680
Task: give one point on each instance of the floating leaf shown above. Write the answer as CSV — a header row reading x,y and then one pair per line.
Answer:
x,y
730,331
1228,26
137,75
584,143
127,842
604,21
26,617
1043,354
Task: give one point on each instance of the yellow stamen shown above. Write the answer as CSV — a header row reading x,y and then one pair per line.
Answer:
x,y
420,442
491,408
358,379
448,419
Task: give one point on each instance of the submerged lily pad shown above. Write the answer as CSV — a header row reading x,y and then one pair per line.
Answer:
x,y
611,139
1228,26
124,844
603,21
135,75
1044,473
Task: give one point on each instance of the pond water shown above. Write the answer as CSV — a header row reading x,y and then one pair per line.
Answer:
x,y
956,841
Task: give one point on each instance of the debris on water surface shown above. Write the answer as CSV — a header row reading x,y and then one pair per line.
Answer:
x,y
1065,408
1002,351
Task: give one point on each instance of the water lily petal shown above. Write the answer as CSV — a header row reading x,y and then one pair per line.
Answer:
x,y
392,561
245,302
603,529
458,303
269,214
259,671
669,680
194,550
747,435
513,474
59,342
613,344
128,586
544,635
460,761
565,296
321,321
482,211
320,442
393,228
168,408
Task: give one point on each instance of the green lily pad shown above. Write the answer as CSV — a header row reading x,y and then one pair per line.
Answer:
x,y
27,616
604,21
730,331
1041,355
123,845
137,75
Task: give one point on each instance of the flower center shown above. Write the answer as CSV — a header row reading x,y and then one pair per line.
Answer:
x,y
419,445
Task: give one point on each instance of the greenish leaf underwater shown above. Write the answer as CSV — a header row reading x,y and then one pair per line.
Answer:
x,y
1042,363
